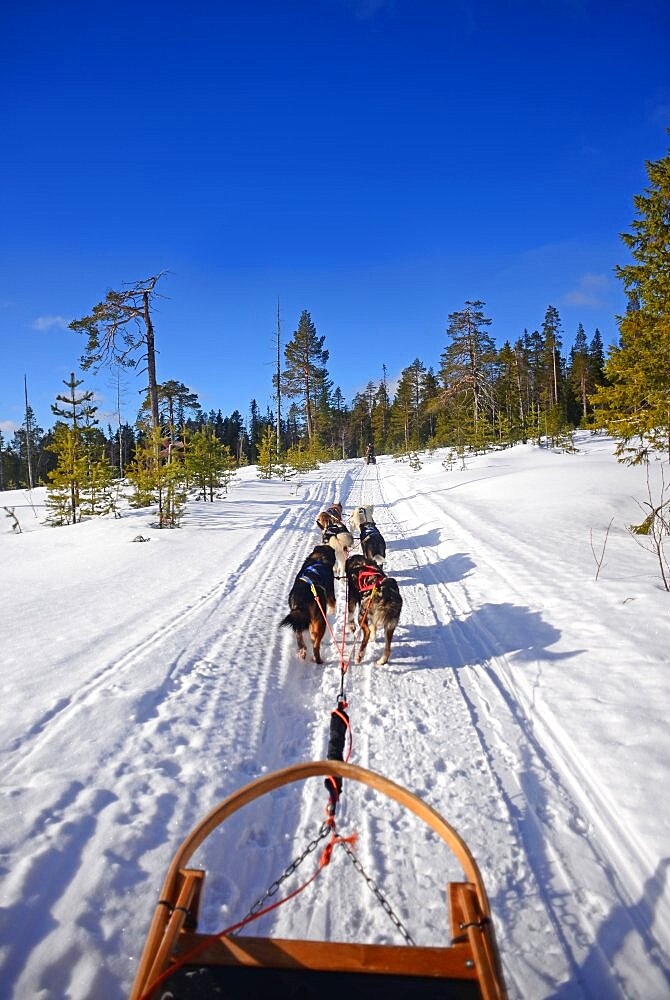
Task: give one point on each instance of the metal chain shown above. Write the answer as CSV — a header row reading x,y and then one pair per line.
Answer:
x,y
295,864
395,919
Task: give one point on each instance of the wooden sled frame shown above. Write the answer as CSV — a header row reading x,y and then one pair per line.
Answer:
x,y
471,959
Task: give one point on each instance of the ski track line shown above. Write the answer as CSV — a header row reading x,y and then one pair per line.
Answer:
x,y
140,760
60,714
478,654
371,733
465,721
286,734
536,832
590,807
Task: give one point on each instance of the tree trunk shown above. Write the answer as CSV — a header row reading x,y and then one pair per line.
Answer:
x,y
151,361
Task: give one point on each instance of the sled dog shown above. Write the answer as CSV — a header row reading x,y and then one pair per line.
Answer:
x,y
378,600
335,533
305,614
372,540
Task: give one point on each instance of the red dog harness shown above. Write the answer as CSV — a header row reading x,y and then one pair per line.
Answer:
x,y
369,578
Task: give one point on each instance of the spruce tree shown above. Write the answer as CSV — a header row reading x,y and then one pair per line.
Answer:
x,y
635,404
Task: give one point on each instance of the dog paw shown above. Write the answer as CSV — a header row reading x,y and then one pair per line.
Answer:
x,y
381,661
302,653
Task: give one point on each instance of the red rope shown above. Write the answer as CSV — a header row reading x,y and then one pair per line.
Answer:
x,y
325,618
324,860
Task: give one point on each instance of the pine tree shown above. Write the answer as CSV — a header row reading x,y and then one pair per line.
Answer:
x,y
255,432
63,492
96,491
174,399
120,331
635,404
404,409
74,447
597,359
360,422
267,455
579,371
510,404
29,439
158,475
209,463
468,365
305,371
551,349
380,417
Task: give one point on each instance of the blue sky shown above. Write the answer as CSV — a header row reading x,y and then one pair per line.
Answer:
x,y
376,162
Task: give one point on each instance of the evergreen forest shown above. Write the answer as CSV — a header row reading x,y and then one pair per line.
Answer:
x,y
536,388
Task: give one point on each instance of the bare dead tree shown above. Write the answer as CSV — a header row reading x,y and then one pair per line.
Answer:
x,y
278,382
120,331
28,429
654,531
16,527
599,559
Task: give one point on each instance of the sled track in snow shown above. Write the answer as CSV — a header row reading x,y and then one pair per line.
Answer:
x,y
586,820
522,755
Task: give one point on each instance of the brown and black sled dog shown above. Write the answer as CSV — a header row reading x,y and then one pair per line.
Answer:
x,y
334,532
372,540
316,572
378,600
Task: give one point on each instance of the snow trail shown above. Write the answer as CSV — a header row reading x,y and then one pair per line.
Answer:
x,y
124,741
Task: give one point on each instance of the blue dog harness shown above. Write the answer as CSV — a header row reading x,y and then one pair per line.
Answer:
x,y
369,531
316,575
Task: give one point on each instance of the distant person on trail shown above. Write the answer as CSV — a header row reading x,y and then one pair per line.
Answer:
x,y
369,455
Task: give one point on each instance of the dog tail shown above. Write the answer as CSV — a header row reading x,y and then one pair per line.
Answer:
x,y
391,595
298,619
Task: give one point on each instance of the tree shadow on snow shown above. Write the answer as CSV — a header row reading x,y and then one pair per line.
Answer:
x,y
450,570
428,540
595,974
491,631
620,922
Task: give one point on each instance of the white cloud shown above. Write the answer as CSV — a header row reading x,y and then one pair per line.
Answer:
x,y
7,427
47,322
589,291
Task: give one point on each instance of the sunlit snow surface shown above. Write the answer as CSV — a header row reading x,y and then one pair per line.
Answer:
x,y
525,700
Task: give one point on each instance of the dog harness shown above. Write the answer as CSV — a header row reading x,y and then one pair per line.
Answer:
x,y
332,530
370,578
316,575
368,531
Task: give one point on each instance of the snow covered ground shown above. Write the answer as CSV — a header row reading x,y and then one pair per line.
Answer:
x,y
524,700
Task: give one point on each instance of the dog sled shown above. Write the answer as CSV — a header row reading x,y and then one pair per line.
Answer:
x,y
180,963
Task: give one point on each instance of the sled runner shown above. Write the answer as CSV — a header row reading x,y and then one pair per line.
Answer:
x,y
179,963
